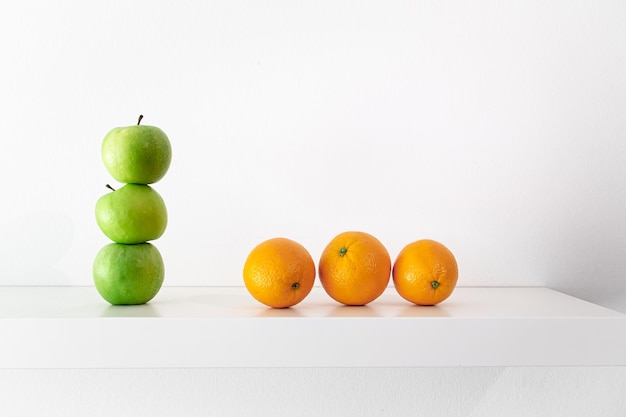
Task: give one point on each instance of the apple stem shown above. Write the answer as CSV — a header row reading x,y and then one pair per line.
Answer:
x,y
109,187
140,117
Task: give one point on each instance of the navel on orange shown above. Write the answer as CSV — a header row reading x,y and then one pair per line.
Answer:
x,y
425,272
279,272
354,268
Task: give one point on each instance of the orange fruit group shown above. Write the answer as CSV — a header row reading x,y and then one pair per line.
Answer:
x,y
425,272
279,272
354,268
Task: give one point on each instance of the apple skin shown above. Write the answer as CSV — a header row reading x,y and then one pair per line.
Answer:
x,y
138,154
132,214
128,274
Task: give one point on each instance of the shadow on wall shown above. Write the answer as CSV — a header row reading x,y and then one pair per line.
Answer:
x,y
31,246
590,267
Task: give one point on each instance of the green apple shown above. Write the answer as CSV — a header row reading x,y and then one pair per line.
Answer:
x,y
128,274
134,213
136,154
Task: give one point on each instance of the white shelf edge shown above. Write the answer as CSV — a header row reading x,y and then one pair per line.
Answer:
x,y
198,327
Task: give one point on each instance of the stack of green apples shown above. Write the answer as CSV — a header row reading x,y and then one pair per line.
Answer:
x,y
131,270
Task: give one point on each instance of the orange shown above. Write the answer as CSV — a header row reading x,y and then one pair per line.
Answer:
x,y
279,272
354,268
425,272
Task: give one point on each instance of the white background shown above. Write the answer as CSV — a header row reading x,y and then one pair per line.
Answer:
x,y
495,127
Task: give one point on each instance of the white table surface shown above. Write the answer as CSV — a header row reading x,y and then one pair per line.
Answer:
x,y
72,327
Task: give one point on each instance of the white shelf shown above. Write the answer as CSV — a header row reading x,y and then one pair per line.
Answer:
x,y
194,327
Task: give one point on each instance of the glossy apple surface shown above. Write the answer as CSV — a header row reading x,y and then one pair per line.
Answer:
x,y
132,214
128,274
138,154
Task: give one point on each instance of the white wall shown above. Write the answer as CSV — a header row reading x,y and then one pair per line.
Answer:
x,y
497,128
451,392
